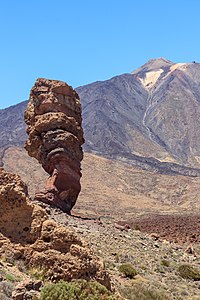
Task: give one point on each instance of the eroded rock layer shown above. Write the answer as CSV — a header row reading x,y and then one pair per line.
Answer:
x,y
26,233
53,116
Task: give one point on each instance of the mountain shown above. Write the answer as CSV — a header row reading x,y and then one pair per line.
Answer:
x,y
153,112
148,118
12,127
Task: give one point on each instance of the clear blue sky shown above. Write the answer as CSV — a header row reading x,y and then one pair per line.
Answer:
x,y
82,41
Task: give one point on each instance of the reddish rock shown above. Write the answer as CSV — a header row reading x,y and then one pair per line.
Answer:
x,y
175,228
53,116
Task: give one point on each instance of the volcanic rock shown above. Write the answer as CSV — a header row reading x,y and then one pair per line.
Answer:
x,y
53,116
20,220
27,289
27,234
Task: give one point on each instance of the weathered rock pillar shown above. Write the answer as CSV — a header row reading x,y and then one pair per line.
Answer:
x,y
53,116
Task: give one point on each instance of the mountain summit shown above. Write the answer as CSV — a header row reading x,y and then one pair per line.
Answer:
x,y
153,64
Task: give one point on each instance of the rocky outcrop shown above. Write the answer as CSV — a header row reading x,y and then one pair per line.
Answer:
x,y
27,289
20,220
53,116
26,233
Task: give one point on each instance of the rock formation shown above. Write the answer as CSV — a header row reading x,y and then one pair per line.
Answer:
x,y
27,234
53,116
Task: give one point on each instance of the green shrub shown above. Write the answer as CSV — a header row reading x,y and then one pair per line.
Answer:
x,y
37,273
165,263
79,289
189,272
141,292
128,270
11,277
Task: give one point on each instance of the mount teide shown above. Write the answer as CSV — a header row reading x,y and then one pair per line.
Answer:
x,y
150,117
153,112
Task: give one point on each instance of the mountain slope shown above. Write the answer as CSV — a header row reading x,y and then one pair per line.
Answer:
x,y
112,188
151,115
153,112
112,117
12,127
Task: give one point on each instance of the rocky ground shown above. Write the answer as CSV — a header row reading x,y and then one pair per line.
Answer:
x,y
162,212
156,260
179,228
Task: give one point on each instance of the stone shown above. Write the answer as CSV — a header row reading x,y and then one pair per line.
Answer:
x,y
53,116
28,234
26,289
190,250
27,284
20,220
155,236
125,227
18,295
37,284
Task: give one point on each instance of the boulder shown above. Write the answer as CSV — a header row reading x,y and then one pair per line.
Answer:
x,y
28,234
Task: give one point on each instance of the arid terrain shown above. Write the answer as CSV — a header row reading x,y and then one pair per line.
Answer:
x,y
110,187
156,260
139,201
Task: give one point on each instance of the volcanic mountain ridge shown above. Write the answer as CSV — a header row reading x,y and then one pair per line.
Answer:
x,y
148,118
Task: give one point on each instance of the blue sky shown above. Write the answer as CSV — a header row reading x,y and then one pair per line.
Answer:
x,y
82,41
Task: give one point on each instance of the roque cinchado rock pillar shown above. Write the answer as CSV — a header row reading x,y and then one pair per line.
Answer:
x,y
53,116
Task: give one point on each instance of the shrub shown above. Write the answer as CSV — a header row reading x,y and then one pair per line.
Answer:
x,y
137,227
141,292
37,273
34,298
128,270
6,289
3,297
20,264
79,289
165,263
10,277
189,272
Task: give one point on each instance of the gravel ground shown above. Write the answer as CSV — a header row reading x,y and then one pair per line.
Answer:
x,y
156,260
